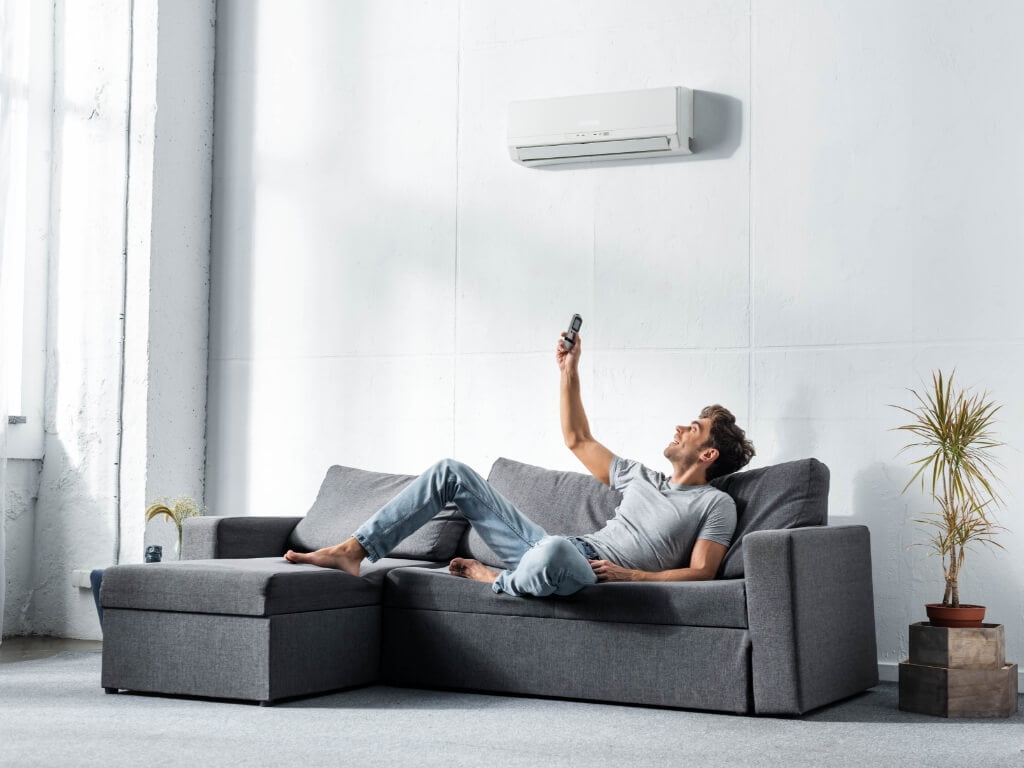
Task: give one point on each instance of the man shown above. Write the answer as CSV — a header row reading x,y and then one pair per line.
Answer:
x,y
675,528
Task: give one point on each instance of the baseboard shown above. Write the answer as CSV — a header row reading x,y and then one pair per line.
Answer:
x,y
889,672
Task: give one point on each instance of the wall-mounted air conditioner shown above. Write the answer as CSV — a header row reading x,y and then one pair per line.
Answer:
x,y
656,122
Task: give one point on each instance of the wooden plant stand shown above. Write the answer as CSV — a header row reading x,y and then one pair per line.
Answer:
x,y
954,672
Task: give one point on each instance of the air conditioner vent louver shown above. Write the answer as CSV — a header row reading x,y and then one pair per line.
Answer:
x,y
595,149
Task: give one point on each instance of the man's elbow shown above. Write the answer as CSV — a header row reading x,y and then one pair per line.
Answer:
x,y
702,573
574,442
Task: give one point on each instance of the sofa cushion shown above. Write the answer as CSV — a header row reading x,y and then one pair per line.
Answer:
x,y
695,603
560,502
263,586
789,495
348,497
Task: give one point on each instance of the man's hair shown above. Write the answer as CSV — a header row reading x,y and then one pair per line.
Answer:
x,y
734,450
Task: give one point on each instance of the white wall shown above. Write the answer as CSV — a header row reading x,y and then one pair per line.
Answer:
x,y
387,286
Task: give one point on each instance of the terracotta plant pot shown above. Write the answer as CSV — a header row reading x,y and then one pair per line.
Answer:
x,y
940,615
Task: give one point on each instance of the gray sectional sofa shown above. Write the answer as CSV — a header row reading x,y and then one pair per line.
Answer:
x,y
787,627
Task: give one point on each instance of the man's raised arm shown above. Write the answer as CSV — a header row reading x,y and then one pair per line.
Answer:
x,y
575,427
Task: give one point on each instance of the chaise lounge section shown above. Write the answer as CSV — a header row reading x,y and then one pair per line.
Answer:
x,y
787,627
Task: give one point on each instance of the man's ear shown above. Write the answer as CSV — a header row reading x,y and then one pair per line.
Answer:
x,y
708,455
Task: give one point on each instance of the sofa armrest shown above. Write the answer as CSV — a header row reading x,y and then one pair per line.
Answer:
x,y
810,610
208,538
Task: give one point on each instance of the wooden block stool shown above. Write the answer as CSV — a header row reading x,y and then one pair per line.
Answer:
x,y
958,672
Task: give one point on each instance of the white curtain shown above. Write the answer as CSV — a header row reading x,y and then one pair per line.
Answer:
x,y
3,461
3,470
5,40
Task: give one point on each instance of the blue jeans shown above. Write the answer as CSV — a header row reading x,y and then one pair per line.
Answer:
x,y
535,563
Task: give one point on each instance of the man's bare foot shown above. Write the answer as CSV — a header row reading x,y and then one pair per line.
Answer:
x,y
472,569
344,557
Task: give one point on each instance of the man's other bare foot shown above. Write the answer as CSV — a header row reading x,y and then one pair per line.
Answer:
x,y
344,557
472,569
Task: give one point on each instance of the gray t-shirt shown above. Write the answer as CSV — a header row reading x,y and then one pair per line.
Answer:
x,y
658,522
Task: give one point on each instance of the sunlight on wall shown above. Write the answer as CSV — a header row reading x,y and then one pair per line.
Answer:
x,y
89,131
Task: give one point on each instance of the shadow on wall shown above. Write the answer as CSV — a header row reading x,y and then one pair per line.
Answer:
x,y
797,436
877,503
232,223
74,521
717,133
877,499
717,126
22,490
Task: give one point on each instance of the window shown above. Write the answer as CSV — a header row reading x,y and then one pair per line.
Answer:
x,y
26,105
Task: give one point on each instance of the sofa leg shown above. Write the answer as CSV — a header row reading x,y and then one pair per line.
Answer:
x,y
111,690
266,703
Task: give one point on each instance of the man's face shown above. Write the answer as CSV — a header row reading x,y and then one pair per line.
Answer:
x,y
688,441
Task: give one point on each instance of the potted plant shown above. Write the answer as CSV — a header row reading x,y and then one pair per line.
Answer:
x,y
179,509
953,426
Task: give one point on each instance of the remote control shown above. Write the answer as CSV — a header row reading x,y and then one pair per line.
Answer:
x,y
570,337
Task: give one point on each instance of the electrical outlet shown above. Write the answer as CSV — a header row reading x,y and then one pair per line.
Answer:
x,y
81,579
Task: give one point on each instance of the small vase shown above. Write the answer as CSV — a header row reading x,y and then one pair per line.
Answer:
x,y
940,615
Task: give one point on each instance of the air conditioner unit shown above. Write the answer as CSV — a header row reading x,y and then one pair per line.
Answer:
x,y
656,122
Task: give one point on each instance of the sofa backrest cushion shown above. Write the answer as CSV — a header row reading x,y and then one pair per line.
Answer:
x,y
789,495
560,502
348,497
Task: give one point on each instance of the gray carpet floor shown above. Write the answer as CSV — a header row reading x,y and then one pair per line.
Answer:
x,y
54,713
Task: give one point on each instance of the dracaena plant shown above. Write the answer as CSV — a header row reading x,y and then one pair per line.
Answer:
x,y
177,511
953,427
